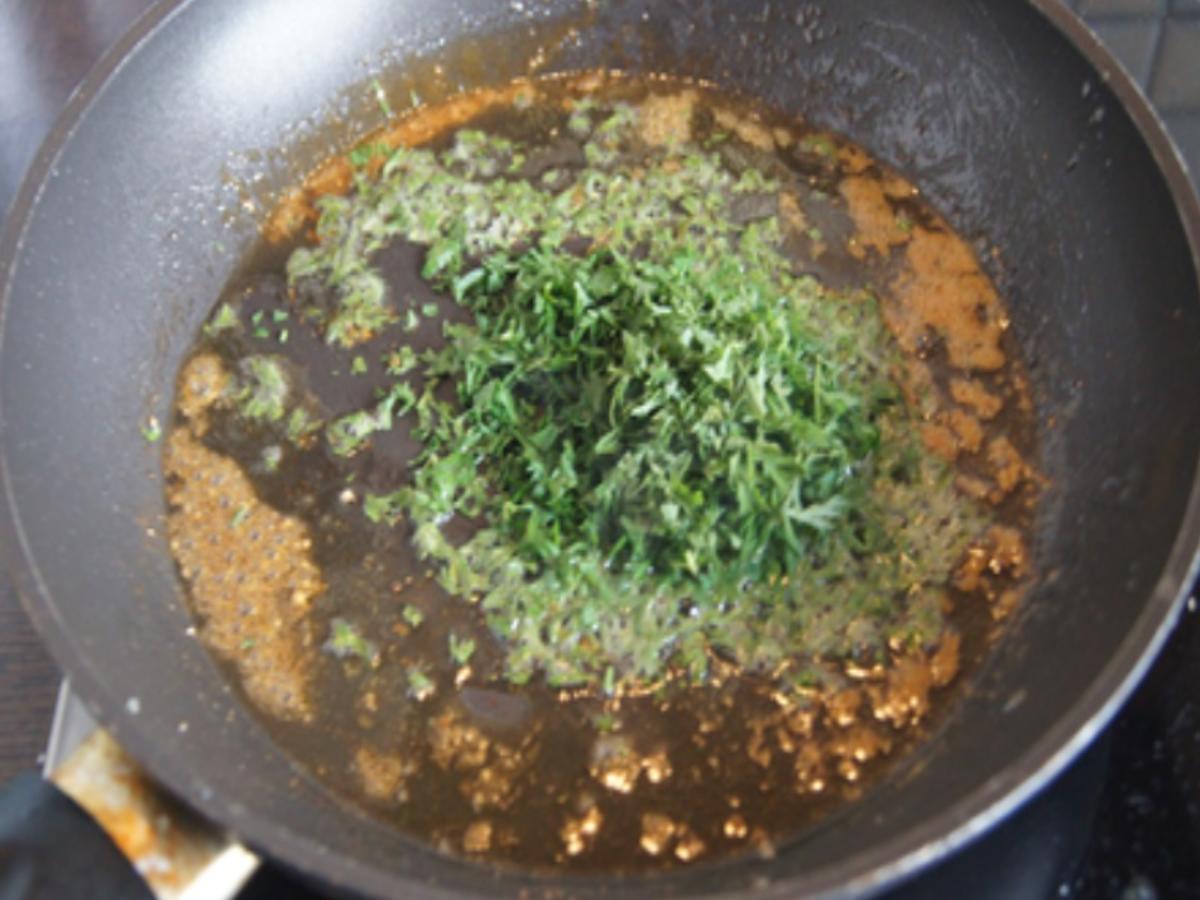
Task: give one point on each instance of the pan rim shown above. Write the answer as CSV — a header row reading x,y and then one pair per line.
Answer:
x,y
866,872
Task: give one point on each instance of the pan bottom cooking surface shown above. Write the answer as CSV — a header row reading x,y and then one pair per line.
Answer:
x,y
1121,822
1139,833
1118,822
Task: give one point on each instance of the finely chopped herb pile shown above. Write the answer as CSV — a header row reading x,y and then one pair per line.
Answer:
x,y
670,445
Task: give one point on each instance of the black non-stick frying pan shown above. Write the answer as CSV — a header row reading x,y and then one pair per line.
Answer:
x,y
1009,116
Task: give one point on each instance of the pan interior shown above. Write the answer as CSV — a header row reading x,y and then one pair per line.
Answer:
x,y
785,699
145,200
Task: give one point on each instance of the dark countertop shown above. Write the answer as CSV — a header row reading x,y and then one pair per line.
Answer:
x,y
1146,840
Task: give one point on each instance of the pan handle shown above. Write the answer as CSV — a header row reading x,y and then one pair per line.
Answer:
x,y
179,855
198,862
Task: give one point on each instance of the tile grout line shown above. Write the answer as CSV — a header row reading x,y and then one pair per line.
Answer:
x,y
1160,27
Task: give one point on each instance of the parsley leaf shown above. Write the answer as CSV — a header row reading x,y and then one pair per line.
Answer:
x,y
345,641
264,388
151,430
225,319
350,433
461,649
672,445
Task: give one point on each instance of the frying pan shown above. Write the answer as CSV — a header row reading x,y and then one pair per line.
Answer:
x,y
1009,115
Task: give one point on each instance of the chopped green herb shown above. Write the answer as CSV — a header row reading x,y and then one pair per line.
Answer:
x,y
240,516
400,361
381,98
814,234
461,649
263,390
261,333
580,121
301,424
350,433
429,310
413,616
383,508
420,686
225,319
257,316
905,224
283,336
648,404
279,315
248,644
345,641
151,430
271,457
363,155
362,309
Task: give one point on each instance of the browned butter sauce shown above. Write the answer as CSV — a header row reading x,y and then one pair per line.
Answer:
x,y
544,778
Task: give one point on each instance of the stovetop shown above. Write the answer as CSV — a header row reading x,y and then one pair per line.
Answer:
x,y
1124,821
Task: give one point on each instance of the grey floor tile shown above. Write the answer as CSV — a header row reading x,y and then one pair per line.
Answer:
x,y
1185,129
1120,7
1176,80
1133,41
